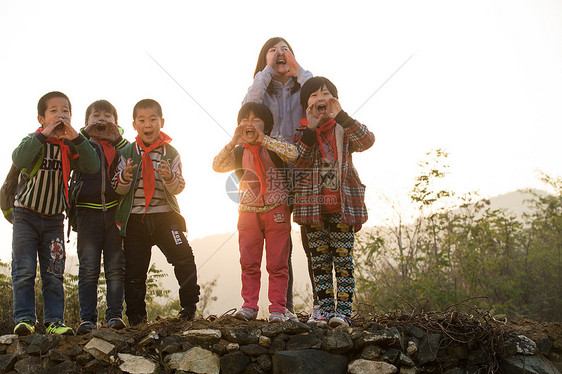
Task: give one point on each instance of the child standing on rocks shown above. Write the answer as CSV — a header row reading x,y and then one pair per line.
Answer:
x,y
259,162
329,196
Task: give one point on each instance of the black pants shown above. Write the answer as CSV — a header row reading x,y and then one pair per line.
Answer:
x,y
162,230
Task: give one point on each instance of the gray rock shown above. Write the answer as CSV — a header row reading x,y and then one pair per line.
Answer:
x,y
203,336
337,341
253,350
254,368
264,341
28,365
234,363
404,360
171,344
94,366
287,327
39,344
8,339
298,342
527,365
399,343
371,352
58,356
136,365
100,349
361,366
525,345
83,359
111,336
308,361
74,351
408,370
216,348
391,356
383,338
232,347
545,346
414,331
264,362
244,335
278,344
67,367
427,350
7,362
197,360
412,346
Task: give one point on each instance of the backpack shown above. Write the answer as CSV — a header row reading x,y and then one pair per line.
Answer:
x,y
13,184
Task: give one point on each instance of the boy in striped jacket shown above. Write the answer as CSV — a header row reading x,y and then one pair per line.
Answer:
x,y
38,212
329,196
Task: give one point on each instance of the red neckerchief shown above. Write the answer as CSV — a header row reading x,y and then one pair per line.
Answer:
x,y
259,167
148,177
324,135
108,151
66,156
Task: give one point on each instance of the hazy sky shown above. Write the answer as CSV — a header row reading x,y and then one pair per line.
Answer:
x,y
484,82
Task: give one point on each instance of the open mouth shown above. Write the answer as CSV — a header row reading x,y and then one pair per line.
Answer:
x,y
250,133
101,127
321,108
281,62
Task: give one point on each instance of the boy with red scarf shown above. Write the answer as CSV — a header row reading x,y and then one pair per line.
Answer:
x,y
148,177
54,150
329,197
93,218
259,162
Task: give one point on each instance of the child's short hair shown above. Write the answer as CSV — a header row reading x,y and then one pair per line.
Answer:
x,y
42,104
147,103
313,85
101,105
261,111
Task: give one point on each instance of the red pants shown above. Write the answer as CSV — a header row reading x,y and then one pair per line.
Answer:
x,y
275,227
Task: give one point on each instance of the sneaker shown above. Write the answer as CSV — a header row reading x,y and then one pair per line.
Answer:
x,y
59,328
85,327
188,313
339,319
289,315
317,317
246,314
137,319
276,317
114,323
24,327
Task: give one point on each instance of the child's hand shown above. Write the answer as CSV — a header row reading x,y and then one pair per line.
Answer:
x,y
103,130
312,117
292,62
236,138
127,173
333,107
60,128
165,171
260,134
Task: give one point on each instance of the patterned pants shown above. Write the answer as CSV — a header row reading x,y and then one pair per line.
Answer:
x,y
330,245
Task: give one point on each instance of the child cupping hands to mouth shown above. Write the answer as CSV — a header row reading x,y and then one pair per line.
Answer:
x,y
259,162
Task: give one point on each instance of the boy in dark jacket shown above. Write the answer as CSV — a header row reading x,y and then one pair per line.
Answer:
x,y
38,212
95,204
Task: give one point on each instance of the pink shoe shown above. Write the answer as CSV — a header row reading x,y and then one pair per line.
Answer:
x,y
246,314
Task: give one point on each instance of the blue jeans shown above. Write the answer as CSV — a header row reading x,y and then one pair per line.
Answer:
x,y
97,234
36,235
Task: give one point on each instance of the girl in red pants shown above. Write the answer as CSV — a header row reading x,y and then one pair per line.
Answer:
x,y
259,162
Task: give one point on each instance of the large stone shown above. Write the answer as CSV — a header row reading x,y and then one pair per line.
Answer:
x,y
7,362
361,366
197,360
525,345
100,349
8,339
243,335
253,350
234,363
16,348
371,352
203,336
287,327
337,341
264,362
171,344
67,367
308,361
58,356
254,368
136,364
29,365
414,331
40,344
305,341
383,338
427,350
527,365
265,341
111,336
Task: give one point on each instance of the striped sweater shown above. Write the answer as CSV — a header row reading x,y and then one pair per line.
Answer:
x,y
44,192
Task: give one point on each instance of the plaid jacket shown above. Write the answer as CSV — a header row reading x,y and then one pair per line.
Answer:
x,y
351,136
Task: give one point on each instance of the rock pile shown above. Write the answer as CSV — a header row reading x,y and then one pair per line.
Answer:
x,y
228,346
